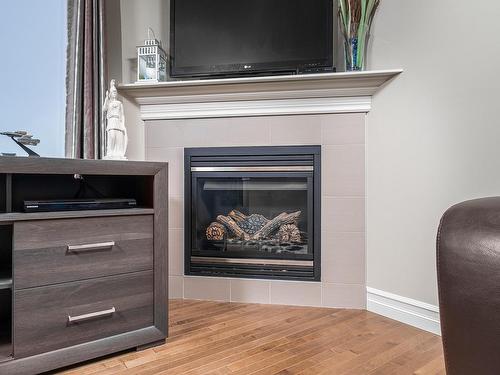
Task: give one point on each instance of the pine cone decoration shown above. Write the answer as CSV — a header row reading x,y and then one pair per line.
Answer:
x,y
289,233
215,232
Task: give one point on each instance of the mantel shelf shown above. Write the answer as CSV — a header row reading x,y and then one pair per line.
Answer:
x,y
258,96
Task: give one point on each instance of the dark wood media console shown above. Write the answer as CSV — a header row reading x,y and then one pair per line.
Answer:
x,y
76,285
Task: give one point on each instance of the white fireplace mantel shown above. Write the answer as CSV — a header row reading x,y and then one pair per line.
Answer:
x,y
258,96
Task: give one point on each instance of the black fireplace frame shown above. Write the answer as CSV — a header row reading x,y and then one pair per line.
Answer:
x,y
255,156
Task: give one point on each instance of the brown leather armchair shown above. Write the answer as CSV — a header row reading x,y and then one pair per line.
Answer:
x,y
468,264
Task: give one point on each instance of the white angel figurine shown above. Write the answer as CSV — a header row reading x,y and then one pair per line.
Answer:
x,y
116,133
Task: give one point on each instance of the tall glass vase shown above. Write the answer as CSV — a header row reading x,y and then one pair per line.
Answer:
x,y
355,46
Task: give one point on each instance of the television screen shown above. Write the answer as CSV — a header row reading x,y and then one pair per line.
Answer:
x,y
230,37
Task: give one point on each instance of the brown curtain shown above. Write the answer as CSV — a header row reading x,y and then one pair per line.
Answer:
x,y
86,79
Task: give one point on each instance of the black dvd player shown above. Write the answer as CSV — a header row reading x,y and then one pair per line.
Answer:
x,y
77,204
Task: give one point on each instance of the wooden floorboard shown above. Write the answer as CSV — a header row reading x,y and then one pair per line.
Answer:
x,y
216,338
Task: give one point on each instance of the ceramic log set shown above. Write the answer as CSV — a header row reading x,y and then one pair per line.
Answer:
x,y
284,227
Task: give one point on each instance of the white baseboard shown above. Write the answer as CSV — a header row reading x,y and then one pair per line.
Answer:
x,y
406,310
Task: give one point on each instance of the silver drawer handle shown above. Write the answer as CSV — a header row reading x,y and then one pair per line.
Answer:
x,y
97,314
91,246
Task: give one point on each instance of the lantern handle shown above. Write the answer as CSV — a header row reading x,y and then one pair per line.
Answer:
x,y
150,31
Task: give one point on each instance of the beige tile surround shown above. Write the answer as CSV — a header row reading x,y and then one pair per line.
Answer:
x,y
342,137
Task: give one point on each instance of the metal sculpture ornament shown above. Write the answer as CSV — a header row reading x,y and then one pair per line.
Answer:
x,y
23,139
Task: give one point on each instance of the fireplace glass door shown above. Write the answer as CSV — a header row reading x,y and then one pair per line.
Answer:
x,y
253,212
252,215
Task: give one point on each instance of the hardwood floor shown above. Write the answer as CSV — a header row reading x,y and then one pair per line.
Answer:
x,y
212,338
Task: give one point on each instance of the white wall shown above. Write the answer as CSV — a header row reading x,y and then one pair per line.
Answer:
x,y
135,18
433,136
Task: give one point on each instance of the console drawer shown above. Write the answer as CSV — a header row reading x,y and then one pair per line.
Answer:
x,y
58,316
57,251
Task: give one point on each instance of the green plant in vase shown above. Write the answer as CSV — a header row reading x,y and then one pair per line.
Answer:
x,y
355,18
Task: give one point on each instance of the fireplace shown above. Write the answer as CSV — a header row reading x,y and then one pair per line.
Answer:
x,y
253,212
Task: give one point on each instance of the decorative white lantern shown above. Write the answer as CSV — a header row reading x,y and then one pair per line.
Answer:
x,y
151,60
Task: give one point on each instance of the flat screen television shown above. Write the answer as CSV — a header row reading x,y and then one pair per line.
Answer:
x,y
236,37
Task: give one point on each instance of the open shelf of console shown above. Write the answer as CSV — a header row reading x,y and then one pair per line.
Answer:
x,y
59,179
5,291
5,324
